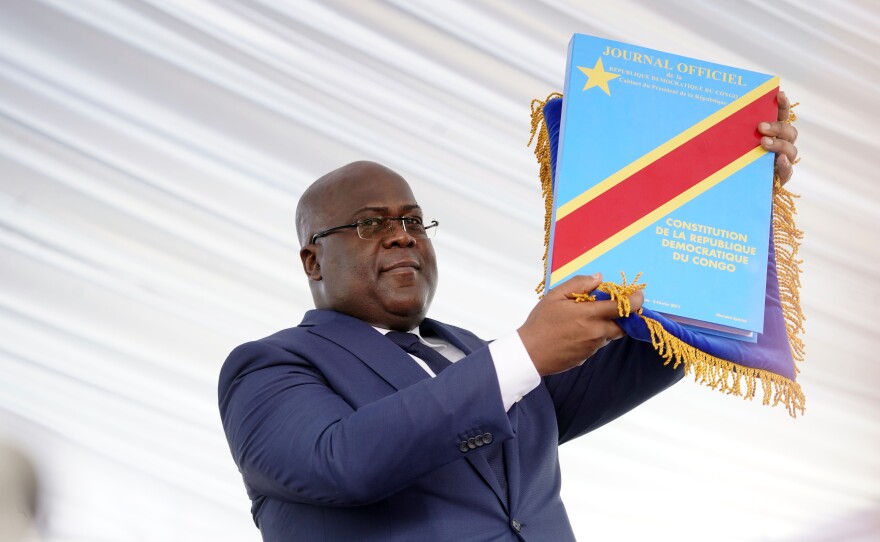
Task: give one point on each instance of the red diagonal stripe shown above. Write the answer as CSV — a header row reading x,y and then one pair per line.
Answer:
x,y
660,181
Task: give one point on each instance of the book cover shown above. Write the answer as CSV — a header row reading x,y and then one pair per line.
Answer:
x,y
660,171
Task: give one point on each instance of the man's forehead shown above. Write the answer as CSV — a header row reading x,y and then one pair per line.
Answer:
x,y
402,208
352,193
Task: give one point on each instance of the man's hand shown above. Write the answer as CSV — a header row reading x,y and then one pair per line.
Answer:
x,y
779,137
560,334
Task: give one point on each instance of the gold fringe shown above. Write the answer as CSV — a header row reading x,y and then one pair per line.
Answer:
x,y
717,373
787,239
542,153
723,375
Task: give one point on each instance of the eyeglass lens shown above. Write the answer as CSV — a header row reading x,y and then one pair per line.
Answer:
x,y
377,227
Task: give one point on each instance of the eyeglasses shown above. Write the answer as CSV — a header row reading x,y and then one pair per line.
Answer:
x,y
380,226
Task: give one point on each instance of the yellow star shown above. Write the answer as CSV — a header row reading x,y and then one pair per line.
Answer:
x,y
598,77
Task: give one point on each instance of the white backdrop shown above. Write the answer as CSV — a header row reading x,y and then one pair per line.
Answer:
x,y
151,155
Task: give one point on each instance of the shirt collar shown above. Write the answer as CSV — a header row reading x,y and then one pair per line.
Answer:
x,y
436,344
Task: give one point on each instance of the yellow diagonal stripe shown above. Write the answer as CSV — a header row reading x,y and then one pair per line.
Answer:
x,y
563,272
666,148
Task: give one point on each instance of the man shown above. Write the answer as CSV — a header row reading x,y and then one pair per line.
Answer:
x,y
344,428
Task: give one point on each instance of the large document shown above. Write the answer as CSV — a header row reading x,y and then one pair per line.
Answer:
x,y
660,171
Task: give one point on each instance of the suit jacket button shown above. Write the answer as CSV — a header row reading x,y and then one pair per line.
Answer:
x,y
517,526
471,443
463,446
487,438
478,440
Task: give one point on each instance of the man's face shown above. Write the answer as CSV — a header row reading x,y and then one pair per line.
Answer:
x,y
388,281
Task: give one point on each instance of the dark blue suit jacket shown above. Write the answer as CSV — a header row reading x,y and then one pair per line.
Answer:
x,y
339,435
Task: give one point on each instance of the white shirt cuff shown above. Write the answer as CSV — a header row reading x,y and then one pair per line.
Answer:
x,y
516,373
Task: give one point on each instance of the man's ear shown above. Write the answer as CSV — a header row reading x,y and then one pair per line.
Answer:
x,y
309,256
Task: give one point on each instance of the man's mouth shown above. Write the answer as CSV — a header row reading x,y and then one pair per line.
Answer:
x,y
403,265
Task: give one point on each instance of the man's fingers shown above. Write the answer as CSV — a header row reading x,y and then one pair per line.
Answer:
x,y
615,332
580,284
783,168
608,309
779,130
784,106
636,300
605,309
779,137
780,146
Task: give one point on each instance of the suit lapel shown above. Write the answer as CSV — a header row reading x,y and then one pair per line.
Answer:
x,y
465,343
385,358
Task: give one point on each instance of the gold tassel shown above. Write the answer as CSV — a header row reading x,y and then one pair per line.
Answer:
x,y
618,292
542,153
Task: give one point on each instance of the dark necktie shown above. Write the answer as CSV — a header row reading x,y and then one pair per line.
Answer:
x,y
412,345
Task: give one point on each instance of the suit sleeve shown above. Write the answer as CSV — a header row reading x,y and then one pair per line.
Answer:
x,y
294,438
619,377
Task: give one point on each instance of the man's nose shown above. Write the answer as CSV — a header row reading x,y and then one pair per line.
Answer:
x,y
397,235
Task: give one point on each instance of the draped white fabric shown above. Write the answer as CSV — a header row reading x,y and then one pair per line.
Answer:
x,y
151,155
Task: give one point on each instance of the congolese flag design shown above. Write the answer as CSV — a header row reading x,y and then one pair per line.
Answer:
x,y
660,159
